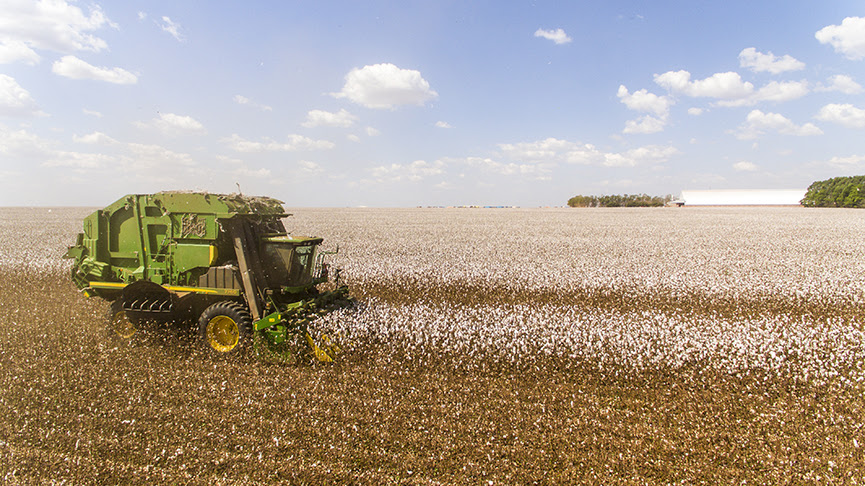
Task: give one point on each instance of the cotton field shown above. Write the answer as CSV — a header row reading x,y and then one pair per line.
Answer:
x,y
486,346
778,291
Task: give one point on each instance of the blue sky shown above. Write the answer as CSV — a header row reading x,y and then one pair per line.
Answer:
x,y
426,103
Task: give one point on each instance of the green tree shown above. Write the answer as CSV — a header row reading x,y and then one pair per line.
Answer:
x,y
619,201
838,192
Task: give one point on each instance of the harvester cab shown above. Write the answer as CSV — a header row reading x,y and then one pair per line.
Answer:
x,y
223,260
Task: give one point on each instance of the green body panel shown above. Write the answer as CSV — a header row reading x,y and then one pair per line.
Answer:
x,y
174,238
189,256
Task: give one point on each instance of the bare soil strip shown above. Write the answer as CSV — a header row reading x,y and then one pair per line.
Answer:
x,y
623,300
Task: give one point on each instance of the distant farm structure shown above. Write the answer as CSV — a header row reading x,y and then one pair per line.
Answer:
x,y
743,197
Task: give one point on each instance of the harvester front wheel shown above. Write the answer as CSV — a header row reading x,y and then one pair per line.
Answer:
x,y
120,323
225,327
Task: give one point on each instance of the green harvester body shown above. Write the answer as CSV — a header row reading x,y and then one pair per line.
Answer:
x,y
182,255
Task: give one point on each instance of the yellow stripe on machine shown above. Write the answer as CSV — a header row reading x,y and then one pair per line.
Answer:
x,y
172,288
204,290
107,285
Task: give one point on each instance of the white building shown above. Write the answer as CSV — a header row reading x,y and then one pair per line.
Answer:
x,y
744,197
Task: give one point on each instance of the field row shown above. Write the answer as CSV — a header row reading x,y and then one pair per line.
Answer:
x,y
741,290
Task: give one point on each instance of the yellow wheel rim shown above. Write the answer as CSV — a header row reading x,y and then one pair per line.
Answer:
x,y
122,326
223,333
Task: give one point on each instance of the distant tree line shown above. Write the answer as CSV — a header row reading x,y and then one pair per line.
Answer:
x,y
838,192
619,201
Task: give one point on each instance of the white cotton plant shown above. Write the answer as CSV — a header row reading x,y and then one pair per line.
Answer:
x,y
737,290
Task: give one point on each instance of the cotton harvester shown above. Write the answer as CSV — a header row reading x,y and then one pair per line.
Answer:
x,y
225,261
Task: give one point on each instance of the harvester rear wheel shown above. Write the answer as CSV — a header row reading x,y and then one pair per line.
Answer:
x,y
225,327
120,323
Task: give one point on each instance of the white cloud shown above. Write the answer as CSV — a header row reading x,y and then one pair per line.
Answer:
x,y
308,168
21,143
261,173
385,86
146,162
757,123
294,143
843,114
553,151
154,156
77,160
773,91
730,89
13,51
171,124
744,166
695,111
414,172
74,68
849,162
16,101
727,85
244,170
558,36
91,112
239,168
352,137
95,138
782,91
847,39
842,83
443,124
243,100
172,28
142,15
506,169
645,125
759,62
29,148
548,150
372,132
642,100
640,156
319,118
48,24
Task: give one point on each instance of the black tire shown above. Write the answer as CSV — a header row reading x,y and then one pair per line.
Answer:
x,y
121,324
225,328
